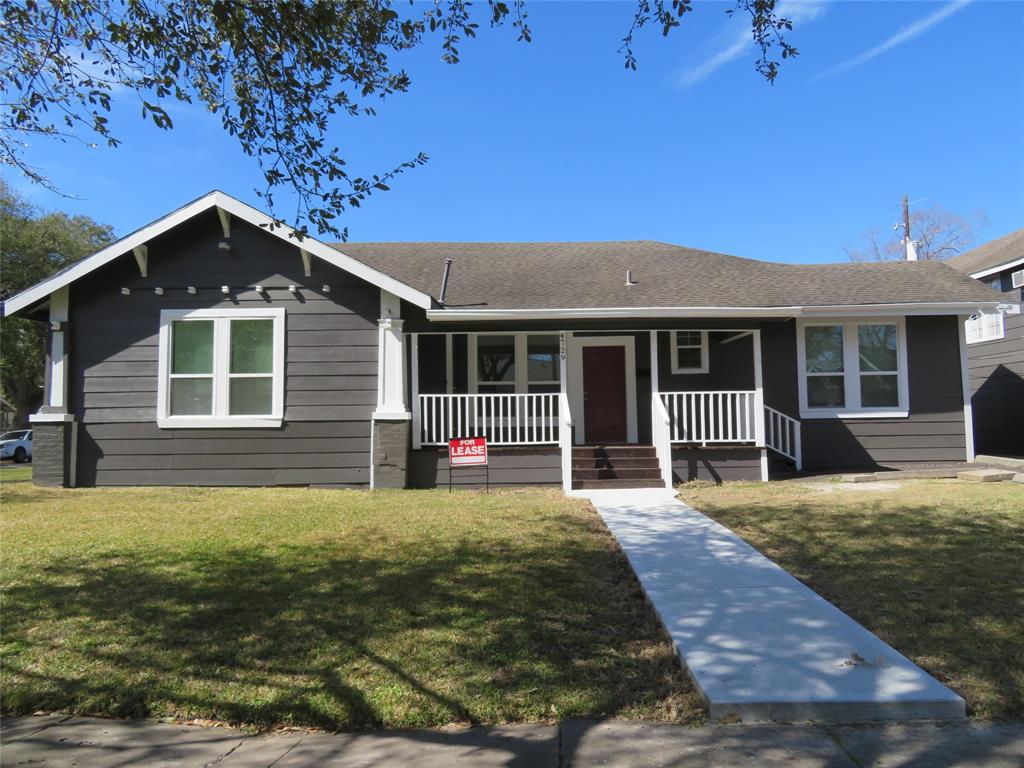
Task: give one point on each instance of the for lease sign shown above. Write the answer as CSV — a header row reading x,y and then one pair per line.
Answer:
x,y
466,451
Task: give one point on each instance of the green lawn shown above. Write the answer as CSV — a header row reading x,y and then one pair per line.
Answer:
x,y
338,609
935,568
16,474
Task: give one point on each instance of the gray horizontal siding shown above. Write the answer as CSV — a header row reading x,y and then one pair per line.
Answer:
x,y
330,375
428,468
716,465
934,430
997,390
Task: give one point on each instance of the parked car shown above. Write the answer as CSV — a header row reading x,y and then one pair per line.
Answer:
x,y
16,445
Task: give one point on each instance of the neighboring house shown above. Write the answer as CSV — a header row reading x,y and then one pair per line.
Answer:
x,y
209,348
995,346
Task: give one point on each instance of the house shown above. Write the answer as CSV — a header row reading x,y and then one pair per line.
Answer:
x,y
211,348
995,346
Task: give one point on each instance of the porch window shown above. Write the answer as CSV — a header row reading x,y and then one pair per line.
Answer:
x,y
509,363
853,368
221,368
689,351
496,364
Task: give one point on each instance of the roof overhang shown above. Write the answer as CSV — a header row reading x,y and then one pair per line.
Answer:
x,y
998,268
225,204
625,313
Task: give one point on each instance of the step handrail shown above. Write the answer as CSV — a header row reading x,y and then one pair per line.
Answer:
x,y
661,436
782,435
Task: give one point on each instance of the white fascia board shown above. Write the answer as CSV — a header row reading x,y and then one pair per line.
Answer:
x,y
998,268
598,313
223,202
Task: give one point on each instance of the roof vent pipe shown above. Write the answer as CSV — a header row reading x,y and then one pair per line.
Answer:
x,y
444,281
629,278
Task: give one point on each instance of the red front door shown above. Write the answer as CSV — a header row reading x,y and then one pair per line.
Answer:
x,y
604,394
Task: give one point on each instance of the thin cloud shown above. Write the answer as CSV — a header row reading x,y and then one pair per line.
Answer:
x,y
797,11
905,35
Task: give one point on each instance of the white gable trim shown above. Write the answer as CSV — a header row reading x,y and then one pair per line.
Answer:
x,y
225,205
998,268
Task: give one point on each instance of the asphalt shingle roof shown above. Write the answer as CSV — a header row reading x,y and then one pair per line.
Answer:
x,y
592,275
992,254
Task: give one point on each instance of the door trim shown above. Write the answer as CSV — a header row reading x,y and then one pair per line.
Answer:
x,y
576,345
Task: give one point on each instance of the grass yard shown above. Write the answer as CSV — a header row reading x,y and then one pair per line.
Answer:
x,y
935,568
338,609
15,474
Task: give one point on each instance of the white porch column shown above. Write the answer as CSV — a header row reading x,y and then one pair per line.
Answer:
x,y
55,430
391,403
759,406
965,381
57,397
414,363
655,387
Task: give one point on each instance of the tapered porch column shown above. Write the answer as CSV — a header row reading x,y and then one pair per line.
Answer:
x,y
390,439
759,437
54,430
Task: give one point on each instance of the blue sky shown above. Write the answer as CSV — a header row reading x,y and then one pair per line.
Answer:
x,y
555,140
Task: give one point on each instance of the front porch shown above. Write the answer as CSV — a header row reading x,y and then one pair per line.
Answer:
x,y
636,408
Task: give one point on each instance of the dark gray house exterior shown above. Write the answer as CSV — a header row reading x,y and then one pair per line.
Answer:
x,y
995,346
210,348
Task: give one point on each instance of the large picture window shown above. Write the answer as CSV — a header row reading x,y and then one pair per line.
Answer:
x,y
222,367
852,368
509,363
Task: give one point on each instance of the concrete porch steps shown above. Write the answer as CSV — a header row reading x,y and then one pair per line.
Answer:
x,y
615,466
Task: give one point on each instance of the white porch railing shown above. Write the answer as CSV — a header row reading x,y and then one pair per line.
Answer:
x,y
565,440
726,416
526,419
661,436
782,434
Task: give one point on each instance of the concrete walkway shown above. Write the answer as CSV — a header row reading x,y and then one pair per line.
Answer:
x,y
82,742
758,643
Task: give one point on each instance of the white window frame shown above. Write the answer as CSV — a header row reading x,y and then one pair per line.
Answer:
x,y
704,363
221,369
522,383
851,372
978,331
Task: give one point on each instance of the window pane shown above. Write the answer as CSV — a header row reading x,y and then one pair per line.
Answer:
x,y
542,358
251,397
496,389
191,397
877,347
496,358
192,346
252,346
539,388
825,392
879,391
688,338
824,347
690,357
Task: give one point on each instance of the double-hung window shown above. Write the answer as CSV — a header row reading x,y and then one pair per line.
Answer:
x,y
852,368
221,368
509,363
689,351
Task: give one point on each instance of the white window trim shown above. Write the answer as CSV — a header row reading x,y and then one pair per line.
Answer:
x,y
221,353
851,370
704,367
521,386
979,320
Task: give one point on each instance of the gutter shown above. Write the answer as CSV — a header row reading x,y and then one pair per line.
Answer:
x,y
608,313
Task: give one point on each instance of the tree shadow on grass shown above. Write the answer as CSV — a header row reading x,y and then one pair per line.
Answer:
x,y
329,636
945,590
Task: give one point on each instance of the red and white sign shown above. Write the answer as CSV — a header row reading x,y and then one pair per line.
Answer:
x,y
467,451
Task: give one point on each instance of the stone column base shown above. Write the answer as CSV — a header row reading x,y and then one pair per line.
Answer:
x,y
390,454
53,453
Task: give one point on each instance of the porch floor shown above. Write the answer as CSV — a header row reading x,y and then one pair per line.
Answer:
x,y
759,644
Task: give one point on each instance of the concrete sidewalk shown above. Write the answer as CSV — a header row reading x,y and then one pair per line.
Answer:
x,y
760,645
46,742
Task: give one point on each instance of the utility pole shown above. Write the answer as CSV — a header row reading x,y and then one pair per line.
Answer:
x,y
909,246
